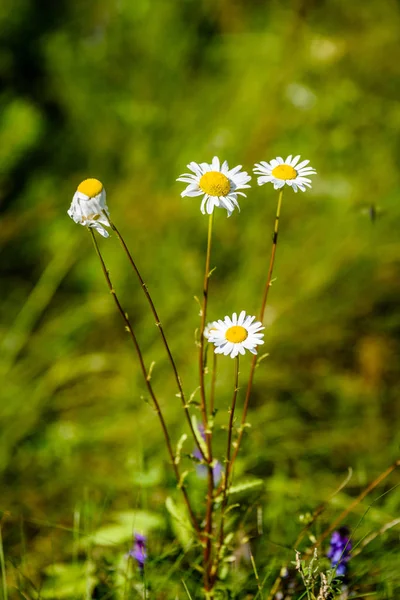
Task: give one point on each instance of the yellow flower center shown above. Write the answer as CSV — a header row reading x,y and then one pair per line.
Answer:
x,y
215,183
284,172
236,334
90,187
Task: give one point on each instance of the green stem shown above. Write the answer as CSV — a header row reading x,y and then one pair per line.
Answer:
x,y
260,318
203,408
145,373
159,325
203,322
213,382
228,469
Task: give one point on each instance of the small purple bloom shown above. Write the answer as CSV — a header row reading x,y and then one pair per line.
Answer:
x,y
201,469
340,550
138,550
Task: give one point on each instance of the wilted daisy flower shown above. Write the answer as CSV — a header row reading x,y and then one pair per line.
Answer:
x,y
217,183
236,335
288,171
88,204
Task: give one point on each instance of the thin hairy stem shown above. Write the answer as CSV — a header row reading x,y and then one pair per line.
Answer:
x,y
208,584
203,405
159,326
213,382
203,408
228,470
260,318
146,377
253,564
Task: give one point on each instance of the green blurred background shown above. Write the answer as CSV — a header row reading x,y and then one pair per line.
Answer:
x,y
129,93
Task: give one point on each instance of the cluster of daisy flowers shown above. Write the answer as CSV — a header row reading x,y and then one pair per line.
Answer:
x,y
219,187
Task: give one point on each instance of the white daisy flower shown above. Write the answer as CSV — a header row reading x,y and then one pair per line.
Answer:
x,y
217,183
88,204
288,171
208,329
236,335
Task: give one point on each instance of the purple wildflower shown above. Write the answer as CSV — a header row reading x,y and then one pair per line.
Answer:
x,y
201,469
340,550
138,550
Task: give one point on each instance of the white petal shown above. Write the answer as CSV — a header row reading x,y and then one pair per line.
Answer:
x,y
225,168
264,179
278,183
242,177
215,163
188,178
228,348
234,171
232,198
203,205
302,164
306,172
303,180
248,321
210,205
226,203
100,230
195,167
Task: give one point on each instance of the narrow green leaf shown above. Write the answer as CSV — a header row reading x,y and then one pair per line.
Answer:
x,y
179,447
199,438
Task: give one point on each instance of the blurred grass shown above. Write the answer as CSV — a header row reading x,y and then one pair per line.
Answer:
x,y
130,93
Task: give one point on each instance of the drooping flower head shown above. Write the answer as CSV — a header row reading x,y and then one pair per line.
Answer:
x,y
236,335
217,184
201,468
289,171
89,205
340,550
138,550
